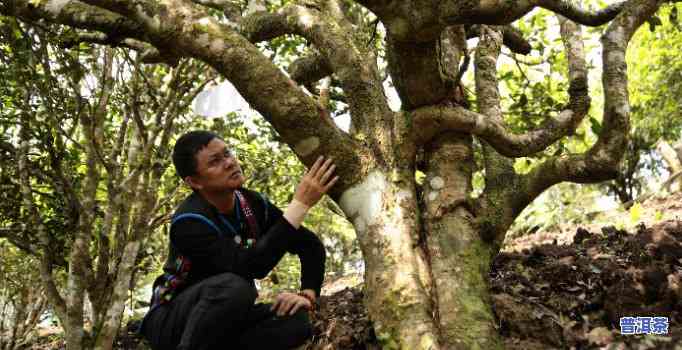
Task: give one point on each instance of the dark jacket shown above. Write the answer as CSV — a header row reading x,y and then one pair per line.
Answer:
x,y
207,244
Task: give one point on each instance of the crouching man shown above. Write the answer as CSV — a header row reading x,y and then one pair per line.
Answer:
x,y
223,236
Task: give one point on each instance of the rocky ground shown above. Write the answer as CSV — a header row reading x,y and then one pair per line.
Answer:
x,y
548,295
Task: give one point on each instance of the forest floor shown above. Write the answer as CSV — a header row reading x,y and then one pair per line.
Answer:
x,y
565,289
550,290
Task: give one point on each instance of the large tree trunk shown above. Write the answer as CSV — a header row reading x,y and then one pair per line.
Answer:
x,y
460,259
425,269
384,211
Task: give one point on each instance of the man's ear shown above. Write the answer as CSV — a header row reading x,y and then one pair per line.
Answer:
x,y
192,182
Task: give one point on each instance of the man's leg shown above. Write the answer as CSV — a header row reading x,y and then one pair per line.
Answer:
x,y
268,331
202,315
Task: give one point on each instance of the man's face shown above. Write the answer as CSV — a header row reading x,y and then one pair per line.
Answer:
x,y
217,169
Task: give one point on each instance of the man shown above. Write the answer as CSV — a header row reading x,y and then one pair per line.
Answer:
x,y
222,237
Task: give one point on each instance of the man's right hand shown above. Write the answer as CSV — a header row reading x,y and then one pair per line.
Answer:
x,y
288,303
316,182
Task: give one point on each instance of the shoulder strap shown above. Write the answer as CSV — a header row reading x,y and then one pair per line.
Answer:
x,y
198,217
250,217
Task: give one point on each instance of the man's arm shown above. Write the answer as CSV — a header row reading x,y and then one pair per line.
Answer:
x,y
310,251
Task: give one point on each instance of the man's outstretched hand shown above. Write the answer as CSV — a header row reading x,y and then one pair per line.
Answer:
x,y
316,182
289,303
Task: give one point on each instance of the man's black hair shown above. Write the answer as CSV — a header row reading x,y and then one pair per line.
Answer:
x,y
186,148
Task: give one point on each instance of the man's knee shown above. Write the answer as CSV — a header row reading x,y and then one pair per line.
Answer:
x,y
230,286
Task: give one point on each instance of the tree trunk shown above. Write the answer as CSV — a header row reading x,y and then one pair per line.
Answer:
x,y
460,260
384,211
404,258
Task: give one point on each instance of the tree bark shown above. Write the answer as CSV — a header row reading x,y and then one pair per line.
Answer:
x,y
384,212
460,259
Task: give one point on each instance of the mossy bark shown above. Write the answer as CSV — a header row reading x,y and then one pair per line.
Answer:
x,y
460,259
425,274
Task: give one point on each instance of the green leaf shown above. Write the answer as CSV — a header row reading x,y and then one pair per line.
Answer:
x,y
595,125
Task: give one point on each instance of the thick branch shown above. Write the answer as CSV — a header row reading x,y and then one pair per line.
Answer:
x,y
505,12
406,24
572,11
512,38
293,114
431,120
74,14
309,69
356,72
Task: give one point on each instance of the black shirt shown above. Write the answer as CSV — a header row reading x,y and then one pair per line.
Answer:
x,y
211,252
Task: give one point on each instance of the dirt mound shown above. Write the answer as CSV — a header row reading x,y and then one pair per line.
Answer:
x,y
342,323
561,297
574,295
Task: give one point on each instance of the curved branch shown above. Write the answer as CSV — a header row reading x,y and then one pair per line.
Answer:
x,y
358,75
601,162
505,12
432,120
501,203
405,26
572,11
